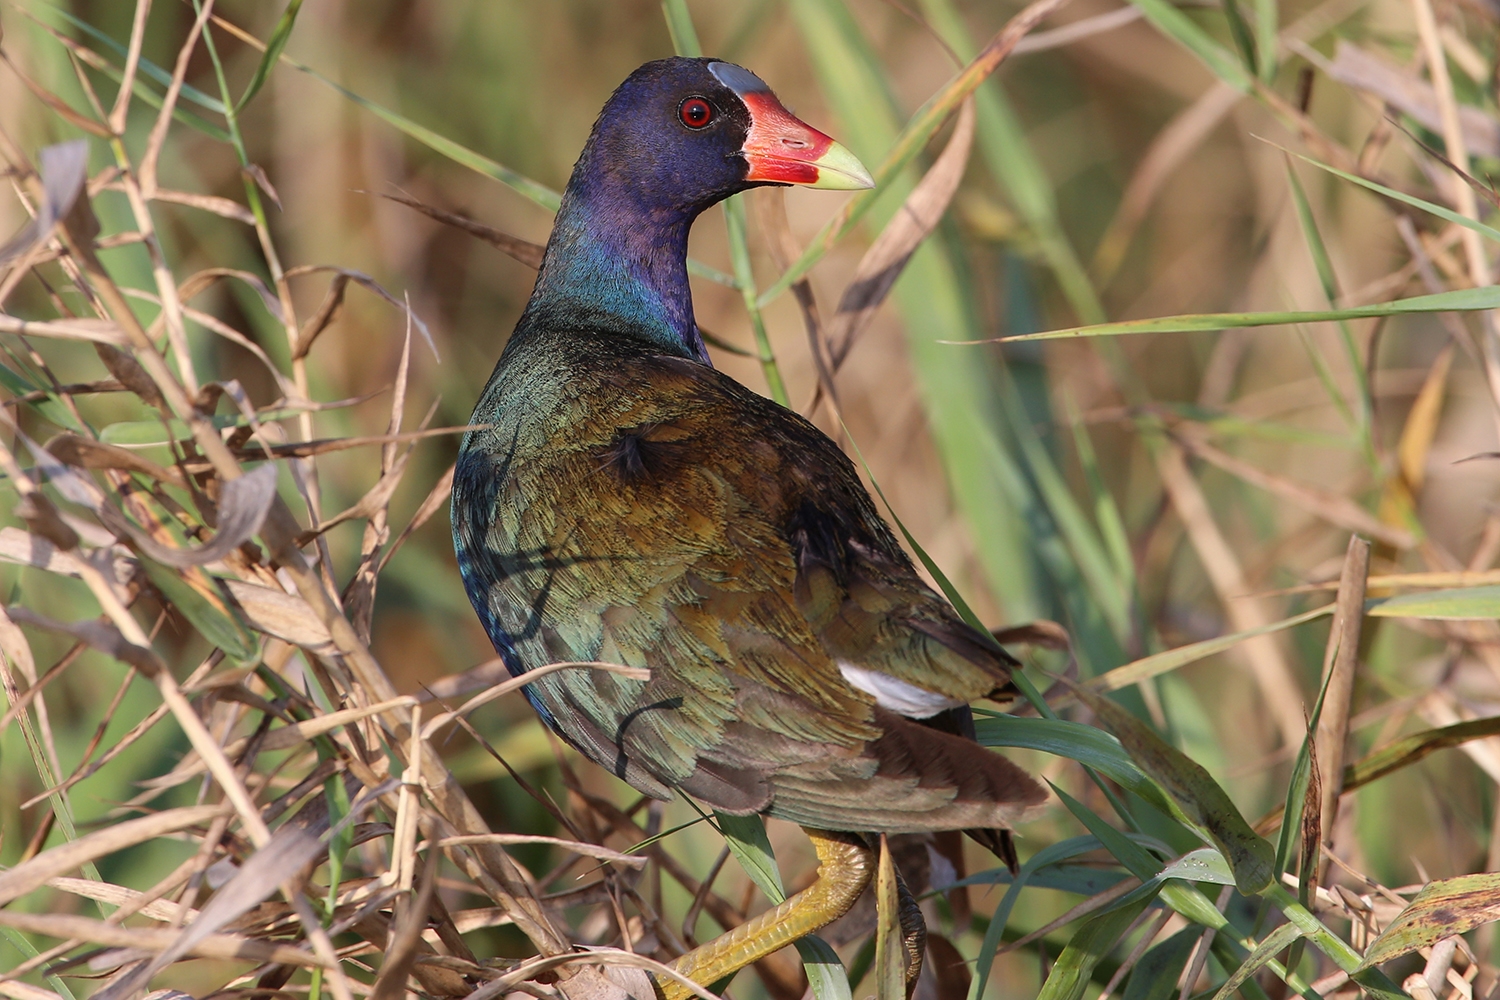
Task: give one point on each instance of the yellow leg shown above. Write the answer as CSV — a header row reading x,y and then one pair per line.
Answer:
x,y
845,865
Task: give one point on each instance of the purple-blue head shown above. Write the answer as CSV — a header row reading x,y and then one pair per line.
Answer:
x,y
678,136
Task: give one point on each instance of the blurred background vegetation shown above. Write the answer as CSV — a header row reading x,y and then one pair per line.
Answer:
x,y
1145,491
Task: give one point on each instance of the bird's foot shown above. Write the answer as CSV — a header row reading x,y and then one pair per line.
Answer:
x,y
845,865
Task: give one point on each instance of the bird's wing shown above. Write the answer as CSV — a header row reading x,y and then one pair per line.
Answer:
x,y
671,519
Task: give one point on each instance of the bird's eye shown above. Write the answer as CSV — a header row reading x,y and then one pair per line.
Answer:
x,y
696,112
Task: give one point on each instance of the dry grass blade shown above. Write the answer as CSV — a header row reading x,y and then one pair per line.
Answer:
x,y
369,284
294,845
211,946
64,858
525,251
1340,663
64,169
883,263
1332,507
1278,686
242,510
86,453
1357,68
98,331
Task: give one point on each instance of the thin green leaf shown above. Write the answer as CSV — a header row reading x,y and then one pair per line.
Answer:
x,y
1329,280
146,67
844,72
680,27
1458,300
744,276
1266,37
1346,958
1172,659
23,944
274,46
217,623
341,841
1274,942
534,191
1459,604
1244,40
1443,213
1087,550
1177,25
1047,856
1075,741
1081,880
50,407
890,951
1007,150
1106,512
1140,862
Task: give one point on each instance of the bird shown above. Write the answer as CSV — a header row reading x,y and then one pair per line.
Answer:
x,y
618,499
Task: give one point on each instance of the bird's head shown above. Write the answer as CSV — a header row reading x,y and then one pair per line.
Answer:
x,y
684,133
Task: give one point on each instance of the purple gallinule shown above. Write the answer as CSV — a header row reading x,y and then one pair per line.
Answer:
x,y
623,501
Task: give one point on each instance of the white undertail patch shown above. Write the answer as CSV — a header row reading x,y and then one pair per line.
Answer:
x,y
896,695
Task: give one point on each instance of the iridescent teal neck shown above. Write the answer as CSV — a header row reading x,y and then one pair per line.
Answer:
x,y
616,265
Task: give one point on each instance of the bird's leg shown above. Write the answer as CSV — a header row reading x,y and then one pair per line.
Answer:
x,y
913,932
845,865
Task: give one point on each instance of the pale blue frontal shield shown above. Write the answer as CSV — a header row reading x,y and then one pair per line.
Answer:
x,y
737,78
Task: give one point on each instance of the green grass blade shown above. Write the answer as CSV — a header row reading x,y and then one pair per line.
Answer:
x,y
1171,659
958,395
1273,942
1155,975
147,68
1047,856
845,64
1410,749
744,276
1137,860
1244,40
1112,531
1460,604
534,191
1329,280
1086,550
680,27
685,41
1446,214
1267,29
1458,300
274,46
1074,968
1175,24
1075,741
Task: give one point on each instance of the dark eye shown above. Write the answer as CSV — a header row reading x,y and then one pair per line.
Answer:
x,y
696,112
